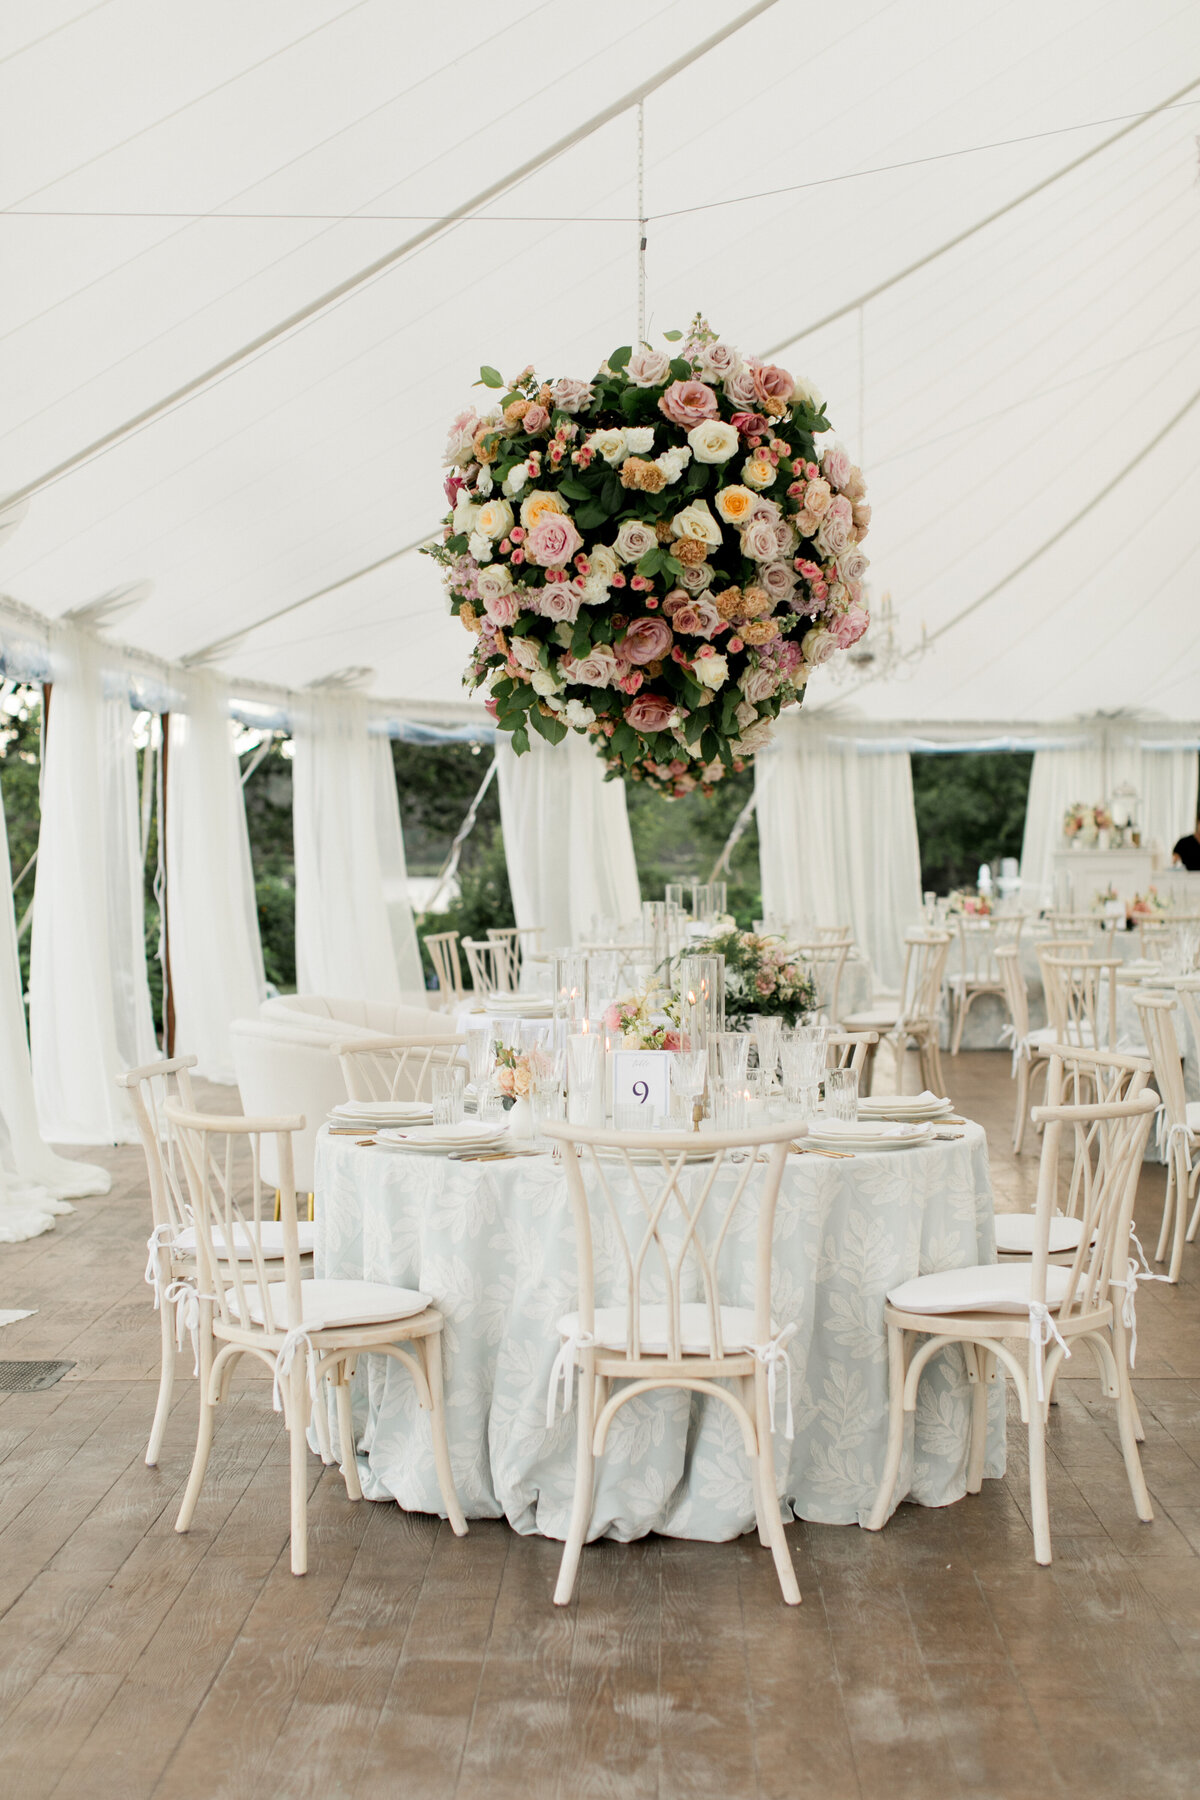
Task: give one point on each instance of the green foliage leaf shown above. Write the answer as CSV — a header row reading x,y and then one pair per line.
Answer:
x,y
696,477
458,543
681,368
551,729
631,401
652,562
612,494
581,643
620,357
489,377
593,513
672,337
520,741
574,488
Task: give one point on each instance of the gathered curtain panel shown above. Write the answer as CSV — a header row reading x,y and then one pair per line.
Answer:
x,y
354,928
89,1000
216,956
1088,771
837,835
567,843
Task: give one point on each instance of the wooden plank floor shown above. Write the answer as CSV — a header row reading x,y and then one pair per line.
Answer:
x,y
933,1661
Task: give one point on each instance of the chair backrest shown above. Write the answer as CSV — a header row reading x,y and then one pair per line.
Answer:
x,y
222,1161
1109,1140
1074,925
1188,989
834,934
925,954
282,1071
1155,935
489,966
150,1088
395,1068
1016,994
825,961
1081,999
1084,1077
1155,1010
979,938
663,1228
443,954
848,1049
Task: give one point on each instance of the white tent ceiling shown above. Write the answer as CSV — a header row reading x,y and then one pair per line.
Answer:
x,y
176,182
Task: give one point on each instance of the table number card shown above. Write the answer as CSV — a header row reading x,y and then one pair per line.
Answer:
x,y
642,1078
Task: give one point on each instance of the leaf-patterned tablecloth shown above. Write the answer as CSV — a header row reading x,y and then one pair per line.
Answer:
x,y
494,1244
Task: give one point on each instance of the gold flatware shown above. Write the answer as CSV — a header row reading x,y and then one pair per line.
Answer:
x,y
812,1150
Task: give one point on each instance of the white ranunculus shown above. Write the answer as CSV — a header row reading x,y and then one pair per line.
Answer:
x,y
480,547
639,439
515,480
634,539
695,521
593,590
495,519
483,481
466,511
714,441
674,461
807,393
711,671
610,444
578,714
544,681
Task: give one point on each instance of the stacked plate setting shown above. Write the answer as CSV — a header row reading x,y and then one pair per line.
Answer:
x,y
906,1109
371,1115
517,1006
867,1134
440,1140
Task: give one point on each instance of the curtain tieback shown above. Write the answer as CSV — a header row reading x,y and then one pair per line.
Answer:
x,y
772,1354
1168,1136
297,1339
183,1297
161,1238
1133,1275
563,1371
1043,1331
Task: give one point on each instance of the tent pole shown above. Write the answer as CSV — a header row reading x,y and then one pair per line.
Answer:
x,y
168,984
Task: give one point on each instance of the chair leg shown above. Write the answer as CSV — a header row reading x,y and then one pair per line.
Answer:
x,y
166,1383
581,1505
764,1535
897,1369
977,1454
1181,1188
204,1429
320,1419
1039,1500
1021,1117
297,1421
866,1085
345,1419
765,1460
1128,1422
1195,1219
960,1020
431,1348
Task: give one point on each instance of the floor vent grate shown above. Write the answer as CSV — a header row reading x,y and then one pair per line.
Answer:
x,y
26,1377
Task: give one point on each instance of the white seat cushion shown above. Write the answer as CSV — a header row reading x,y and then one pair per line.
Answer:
x,y
985,1287
1193,1115
335,1303
270,1239
1014,1234
737,1328
875,1018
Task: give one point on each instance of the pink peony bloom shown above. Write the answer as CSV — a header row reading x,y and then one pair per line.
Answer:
x,y
501,609
688,403
553,541
849,626
649,712
646,641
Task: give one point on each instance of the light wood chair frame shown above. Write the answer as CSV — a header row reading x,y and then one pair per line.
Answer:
x,y
1030,1057
1181,1143
489,966
1077,1007
447,967
917,1013
978,973
849,1050
1086,1314
395,1068
829,958
668,1191
231,1289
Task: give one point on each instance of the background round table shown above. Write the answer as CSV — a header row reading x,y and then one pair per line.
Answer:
x,y
493,1243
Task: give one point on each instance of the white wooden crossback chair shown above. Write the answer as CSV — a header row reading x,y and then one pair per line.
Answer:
x,y
518,941
443,954
912,1018
489,966
171,1247
1178,1125
305,1331
834,934
398,1068
1030,1053
1054,1307
849,1049
825,963
1077,926
1081,999
671,1223
978,973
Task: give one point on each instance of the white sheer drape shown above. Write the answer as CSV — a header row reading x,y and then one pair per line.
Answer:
x,y
344,940
566,839
89,1000
216,957
1060,776
838,839
393,867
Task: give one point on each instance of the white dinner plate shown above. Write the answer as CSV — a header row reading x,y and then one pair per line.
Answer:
x,y
383,1112
471,1134
868,1134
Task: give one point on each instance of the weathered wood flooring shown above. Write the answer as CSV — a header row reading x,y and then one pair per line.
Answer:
x,y
933,1661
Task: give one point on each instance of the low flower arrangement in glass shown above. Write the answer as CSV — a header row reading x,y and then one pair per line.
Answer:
x,y
658,557
642,1024
762,975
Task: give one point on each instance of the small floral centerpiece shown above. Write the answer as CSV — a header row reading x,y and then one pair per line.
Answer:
x,y
973,904
658,557
1104,898
1086,822
761,976
515,1074
1147,905
641,1024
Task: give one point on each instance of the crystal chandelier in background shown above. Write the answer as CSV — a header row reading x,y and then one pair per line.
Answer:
x,y
878,655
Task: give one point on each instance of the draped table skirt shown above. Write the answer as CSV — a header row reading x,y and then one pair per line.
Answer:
x,y
493,1243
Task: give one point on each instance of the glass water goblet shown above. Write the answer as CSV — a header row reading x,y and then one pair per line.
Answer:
x,y
767,1031
841,1095
734,1051
448,1085
688,1071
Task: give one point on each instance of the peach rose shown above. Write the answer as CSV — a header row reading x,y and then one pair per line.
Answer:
x,y
736,504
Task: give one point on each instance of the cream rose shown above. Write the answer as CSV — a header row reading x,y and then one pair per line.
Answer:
x,y
538,503
807,393
760,683
634,540
491,583
649,368
713,442
597,669
818,497
695,521
495,519
610,444
711,671
524,652
544,681
604,562
818,645
758,472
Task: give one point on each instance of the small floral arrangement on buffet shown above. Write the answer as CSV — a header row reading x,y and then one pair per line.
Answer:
x,y
642,1023
970,903
1149,905
1104,898
1086,822
761,976
658,557
518,1072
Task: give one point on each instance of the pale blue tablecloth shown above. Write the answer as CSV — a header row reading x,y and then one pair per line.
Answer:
x,y
493,1243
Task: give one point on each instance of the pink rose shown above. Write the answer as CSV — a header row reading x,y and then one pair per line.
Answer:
x,y
853,563
524,652
850,626
750,424
806,523
818,645
569,395
646,641
501,609
650,712
758,541
688,403
785,538
553,541
696,577
774,386
835,532
712,362
596,669
700,619
836,466
740,390
778,578
759,684
560,601
818,498
536,420
788,658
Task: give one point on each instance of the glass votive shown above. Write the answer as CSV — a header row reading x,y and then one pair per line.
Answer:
x,y
629,1116
734,1051
804,1100
841,1095
583,1071
489,1108
548,1105
481,1053
766,1038
730,1106
448,1085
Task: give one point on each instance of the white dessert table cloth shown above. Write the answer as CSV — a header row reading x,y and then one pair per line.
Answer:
x,y
493,1243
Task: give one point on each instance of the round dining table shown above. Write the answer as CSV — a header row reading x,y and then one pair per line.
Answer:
x,y
493,1244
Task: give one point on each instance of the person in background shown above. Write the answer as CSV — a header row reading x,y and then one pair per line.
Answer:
x,y
1187,850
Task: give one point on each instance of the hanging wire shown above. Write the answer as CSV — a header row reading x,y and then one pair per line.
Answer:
x,y
641,225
